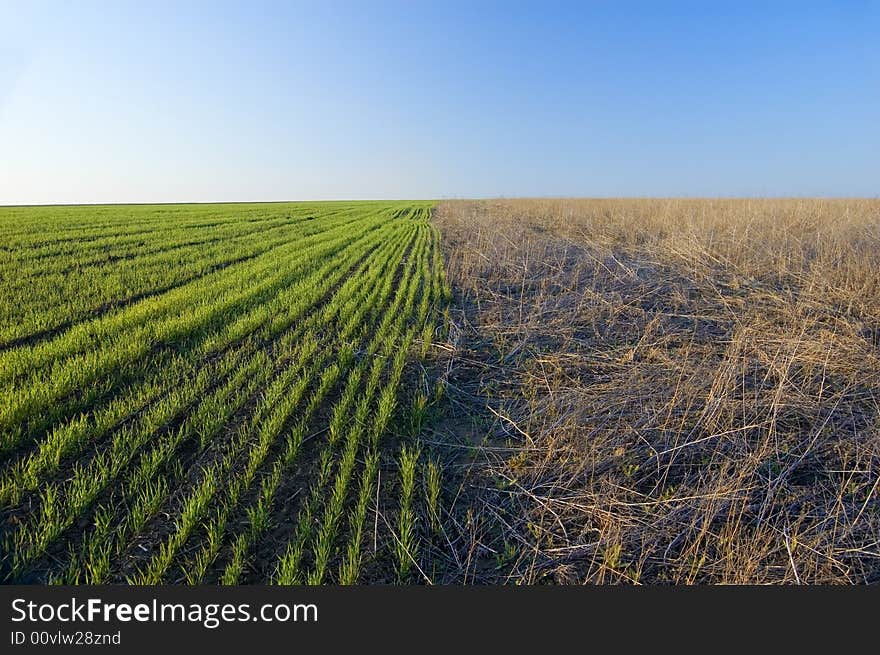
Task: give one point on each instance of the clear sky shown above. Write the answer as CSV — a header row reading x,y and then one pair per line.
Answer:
x,y
152,101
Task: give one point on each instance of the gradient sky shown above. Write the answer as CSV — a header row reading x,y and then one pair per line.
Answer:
x,y
153,102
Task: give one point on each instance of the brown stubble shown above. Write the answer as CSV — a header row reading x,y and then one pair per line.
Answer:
x,y
687,391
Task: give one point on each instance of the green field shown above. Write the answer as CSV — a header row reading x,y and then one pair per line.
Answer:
x,y
204,393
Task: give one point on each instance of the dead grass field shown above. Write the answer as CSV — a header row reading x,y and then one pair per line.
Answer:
x,y
666,391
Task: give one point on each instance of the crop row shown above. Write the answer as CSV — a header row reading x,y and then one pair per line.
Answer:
x,y
225,426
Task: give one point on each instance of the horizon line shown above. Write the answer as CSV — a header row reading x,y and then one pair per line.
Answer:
x,y
468,198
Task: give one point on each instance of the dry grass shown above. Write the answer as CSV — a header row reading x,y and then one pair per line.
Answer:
x,y
688,390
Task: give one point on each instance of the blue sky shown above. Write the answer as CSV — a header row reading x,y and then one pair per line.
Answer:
x,y
152,101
